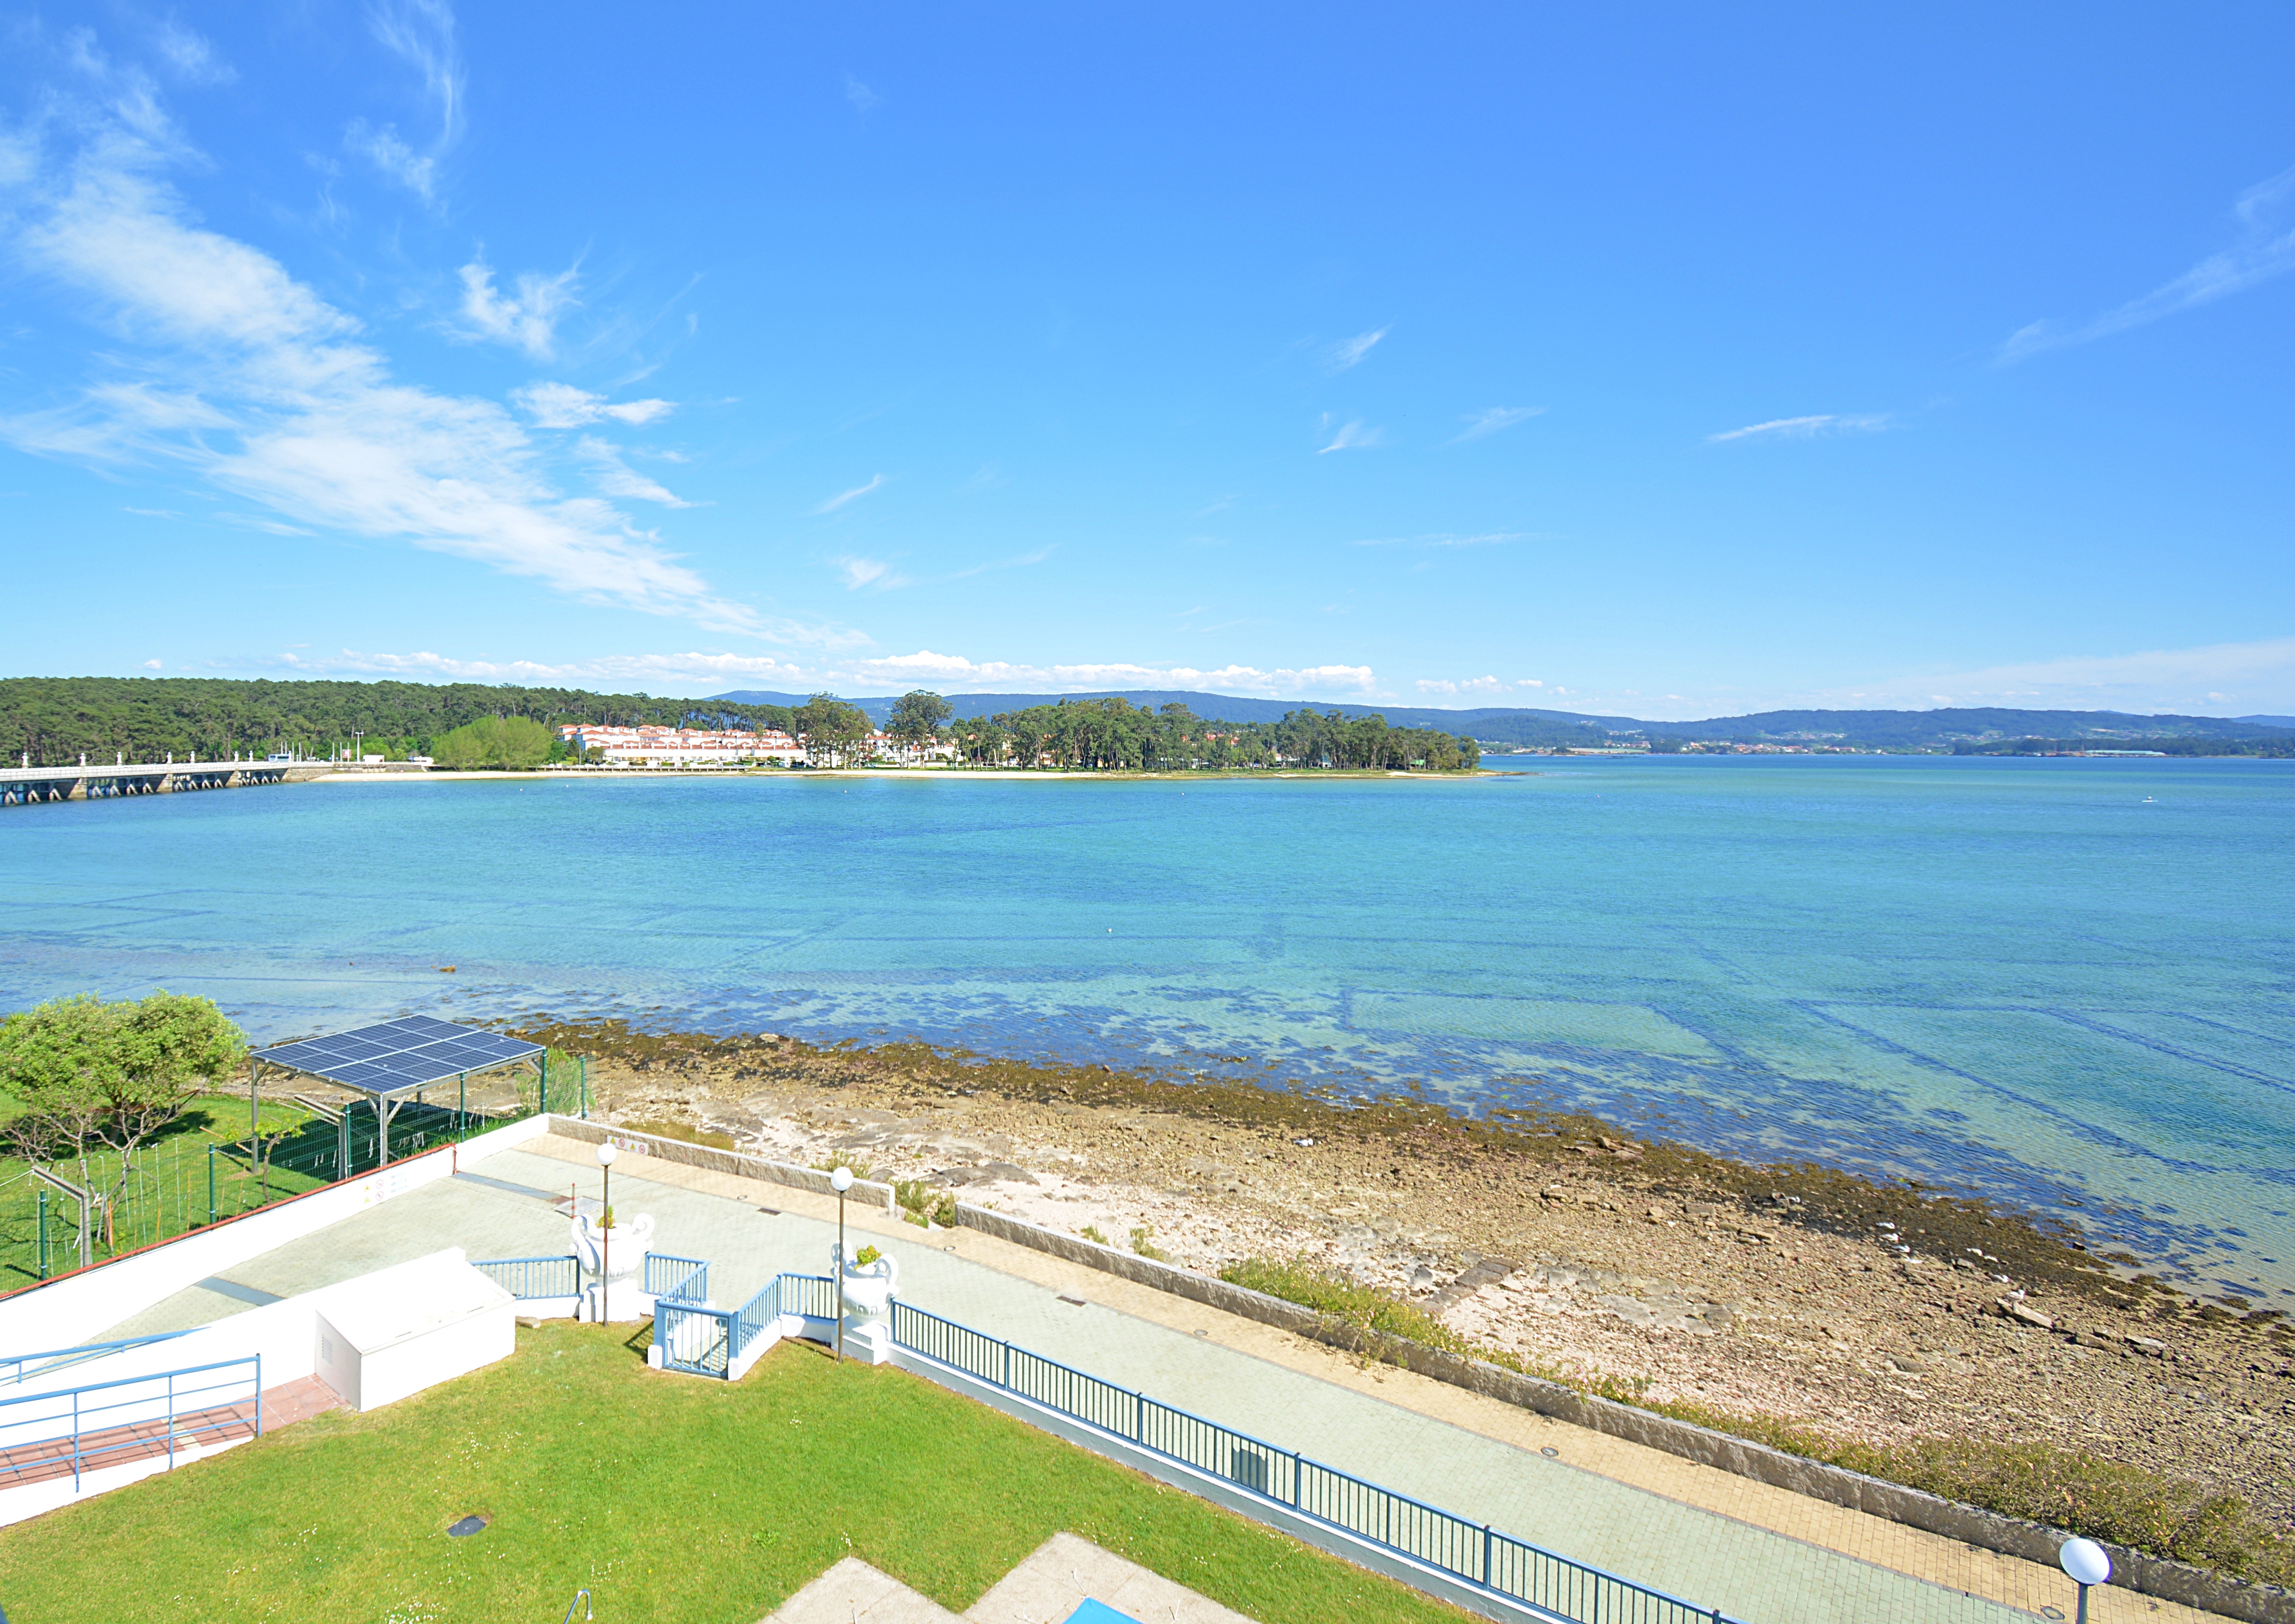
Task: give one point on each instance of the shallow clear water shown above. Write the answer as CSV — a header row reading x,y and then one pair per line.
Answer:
x,y
2023,977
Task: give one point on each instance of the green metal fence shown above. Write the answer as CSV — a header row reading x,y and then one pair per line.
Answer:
x,y
186,1180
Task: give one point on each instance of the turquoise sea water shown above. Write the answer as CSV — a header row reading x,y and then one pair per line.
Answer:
x,y
2065,983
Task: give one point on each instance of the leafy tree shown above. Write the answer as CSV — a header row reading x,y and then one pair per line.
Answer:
x,y
836,734
918,718
89,1072
510,742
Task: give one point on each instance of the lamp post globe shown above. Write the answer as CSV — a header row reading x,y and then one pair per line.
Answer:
x,y
2085,1563
841,1180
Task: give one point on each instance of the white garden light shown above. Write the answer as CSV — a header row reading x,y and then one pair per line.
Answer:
x,y
2087,1563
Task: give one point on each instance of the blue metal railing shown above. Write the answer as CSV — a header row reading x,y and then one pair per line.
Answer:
x,y
522,1277
706,1342
1472,1551
676,1279
13,1373
130,1416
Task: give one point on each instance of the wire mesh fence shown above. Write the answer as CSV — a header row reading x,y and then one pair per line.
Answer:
x,y
66,1213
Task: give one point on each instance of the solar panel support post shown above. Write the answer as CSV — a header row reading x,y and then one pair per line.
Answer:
x,y
254,1099
461,1103
542,1069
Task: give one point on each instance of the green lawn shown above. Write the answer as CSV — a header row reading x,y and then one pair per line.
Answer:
x,y
676,1500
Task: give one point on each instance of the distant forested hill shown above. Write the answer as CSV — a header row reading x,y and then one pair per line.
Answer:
x,y
1543,730
1939,729
55,719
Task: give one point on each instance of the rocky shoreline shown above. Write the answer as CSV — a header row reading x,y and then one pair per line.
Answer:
x,y
1781,1299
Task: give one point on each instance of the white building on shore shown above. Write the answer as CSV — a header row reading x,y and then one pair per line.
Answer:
x,y
657,746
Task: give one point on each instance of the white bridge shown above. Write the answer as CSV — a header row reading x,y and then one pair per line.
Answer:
x,y
25,786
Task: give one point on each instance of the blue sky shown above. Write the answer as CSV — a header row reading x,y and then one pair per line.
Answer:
x,y
1663,361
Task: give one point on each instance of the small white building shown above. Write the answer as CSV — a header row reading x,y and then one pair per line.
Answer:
x,y
682,746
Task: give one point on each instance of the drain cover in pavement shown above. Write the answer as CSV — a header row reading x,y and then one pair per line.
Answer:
x,y
468,1526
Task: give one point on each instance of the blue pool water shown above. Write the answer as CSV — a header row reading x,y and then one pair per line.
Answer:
x,y
2064,982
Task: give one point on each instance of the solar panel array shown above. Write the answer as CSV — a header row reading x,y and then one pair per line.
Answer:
x,y
411,1052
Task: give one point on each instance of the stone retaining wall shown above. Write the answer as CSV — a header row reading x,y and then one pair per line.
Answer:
x,y
2173,1581
865,1191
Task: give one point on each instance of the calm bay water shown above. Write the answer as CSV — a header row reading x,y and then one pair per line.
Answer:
x,y
2065,983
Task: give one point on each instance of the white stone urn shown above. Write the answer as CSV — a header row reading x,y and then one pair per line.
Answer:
x,y
633,1237
866,1289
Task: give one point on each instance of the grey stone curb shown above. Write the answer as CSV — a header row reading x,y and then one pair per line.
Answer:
x,y
2172,1581
865,1191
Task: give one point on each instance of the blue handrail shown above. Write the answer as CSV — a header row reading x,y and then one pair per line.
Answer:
x,y
74,1406
676,1279
707,1341
64,1359
558,1276
1472,1551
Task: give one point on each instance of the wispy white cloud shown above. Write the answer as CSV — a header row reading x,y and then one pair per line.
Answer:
x,y
616,478
231,370
1486,538
527,318
381,145
955,671
2217,678
561,406
845,672
420,33
854,494
1489,687
675,669
1020,561
1806,427
861,97
2265,248
190,55
874,574
1489,419
1349,352
155,664
1351,436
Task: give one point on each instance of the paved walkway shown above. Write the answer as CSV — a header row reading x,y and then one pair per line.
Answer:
x,y
1764,1555
1067,1578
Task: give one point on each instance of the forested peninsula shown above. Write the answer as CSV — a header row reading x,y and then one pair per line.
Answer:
x,y
53,720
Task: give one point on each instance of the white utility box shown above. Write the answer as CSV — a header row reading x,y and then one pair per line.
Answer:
x,y
402,1329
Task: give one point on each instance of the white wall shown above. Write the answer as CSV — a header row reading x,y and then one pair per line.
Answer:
x,y
285,1335
82,1306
